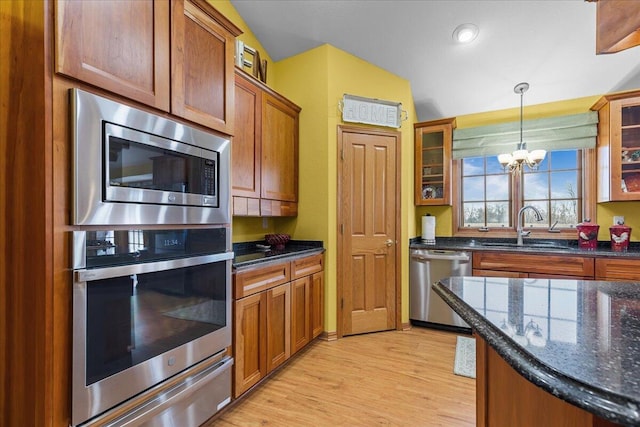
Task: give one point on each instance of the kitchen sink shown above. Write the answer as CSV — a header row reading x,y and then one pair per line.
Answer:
x,y
526,245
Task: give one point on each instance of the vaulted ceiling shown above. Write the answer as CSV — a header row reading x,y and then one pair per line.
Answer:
x,y
548,43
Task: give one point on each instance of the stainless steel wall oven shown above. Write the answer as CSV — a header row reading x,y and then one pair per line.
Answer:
x,y
134,167
147,305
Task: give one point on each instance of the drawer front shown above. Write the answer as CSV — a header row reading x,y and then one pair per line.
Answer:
x,y
306,266
498,273
245,206
617,269
543,264
278,208
249,282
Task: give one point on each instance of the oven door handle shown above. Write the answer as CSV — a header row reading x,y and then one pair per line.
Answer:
x,y
86,275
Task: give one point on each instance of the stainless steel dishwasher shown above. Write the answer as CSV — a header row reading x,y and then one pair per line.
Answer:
x,y
427,266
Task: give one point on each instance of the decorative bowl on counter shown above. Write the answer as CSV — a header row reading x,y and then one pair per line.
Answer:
x,y
277,240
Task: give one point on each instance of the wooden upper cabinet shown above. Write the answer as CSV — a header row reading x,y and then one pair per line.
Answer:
x,y
279,174
245,150
264,152
617,25
433,162
202,63
121,46
619,147
175,56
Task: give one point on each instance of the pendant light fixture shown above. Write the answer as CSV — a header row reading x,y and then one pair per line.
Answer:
x,y
521,156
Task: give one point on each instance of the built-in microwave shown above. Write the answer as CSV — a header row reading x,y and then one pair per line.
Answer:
x,y
134,167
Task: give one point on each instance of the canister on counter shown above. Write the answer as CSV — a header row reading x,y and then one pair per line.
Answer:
x,y
588,235
620,235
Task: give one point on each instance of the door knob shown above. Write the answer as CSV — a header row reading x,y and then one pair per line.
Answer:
x,y
389,242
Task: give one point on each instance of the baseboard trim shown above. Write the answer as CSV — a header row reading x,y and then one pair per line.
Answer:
x,y
329,336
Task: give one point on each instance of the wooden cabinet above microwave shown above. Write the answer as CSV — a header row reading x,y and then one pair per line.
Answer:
x,y
175,56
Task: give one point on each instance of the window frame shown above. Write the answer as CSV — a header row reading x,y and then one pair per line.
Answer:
x,y
588,204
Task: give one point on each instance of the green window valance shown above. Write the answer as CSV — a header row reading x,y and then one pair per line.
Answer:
x,y
574,131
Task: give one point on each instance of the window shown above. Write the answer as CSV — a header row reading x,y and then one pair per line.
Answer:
x,y
490,198
486,190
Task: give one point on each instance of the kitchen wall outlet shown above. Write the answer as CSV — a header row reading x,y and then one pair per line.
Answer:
x,y
265,223
618,220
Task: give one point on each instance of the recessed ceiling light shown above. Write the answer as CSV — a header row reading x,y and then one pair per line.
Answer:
x,y
465,33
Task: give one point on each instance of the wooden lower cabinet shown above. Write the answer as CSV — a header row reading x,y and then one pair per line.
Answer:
x,y
317,304
498,273
506,398
505,264
278,325
613,269
307,314
272,319
262,338
300,313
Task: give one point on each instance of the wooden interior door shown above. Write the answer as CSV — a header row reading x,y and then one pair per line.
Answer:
x,y
369,212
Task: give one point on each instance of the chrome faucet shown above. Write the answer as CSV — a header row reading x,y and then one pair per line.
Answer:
x,y
519,230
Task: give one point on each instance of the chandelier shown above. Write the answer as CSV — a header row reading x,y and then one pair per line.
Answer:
x,y
521,156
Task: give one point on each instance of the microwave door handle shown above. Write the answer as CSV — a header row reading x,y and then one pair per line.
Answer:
x,y
86,275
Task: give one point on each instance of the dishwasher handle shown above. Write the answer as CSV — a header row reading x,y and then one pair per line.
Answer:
x,y
448,256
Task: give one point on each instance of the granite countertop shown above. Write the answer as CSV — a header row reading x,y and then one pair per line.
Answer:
x,y
577,339
248,254
530,246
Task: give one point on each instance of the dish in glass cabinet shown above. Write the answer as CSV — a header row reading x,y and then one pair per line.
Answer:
x,y
428,192
631,183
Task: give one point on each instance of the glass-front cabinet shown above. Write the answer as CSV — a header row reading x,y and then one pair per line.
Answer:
x,y
619,147
433,162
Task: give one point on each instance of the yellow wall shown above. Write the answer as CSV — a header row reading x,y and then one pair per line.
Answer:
x,y
316,80
604,212
631,212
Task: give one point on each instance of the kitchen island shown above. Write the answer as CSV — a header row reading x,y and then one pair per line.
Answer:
x,y
552,352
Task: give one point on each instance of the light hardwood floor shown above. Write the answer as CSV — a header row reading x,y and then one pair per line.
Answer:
x,y
394,378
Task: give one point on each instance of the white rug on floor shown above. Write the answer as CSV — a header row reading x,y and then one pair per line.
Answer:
x,y
465,361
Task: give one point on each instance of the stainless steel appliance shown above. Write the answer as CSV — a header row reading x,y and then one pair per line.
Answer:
x,y
427,266
134,167
147,305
